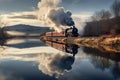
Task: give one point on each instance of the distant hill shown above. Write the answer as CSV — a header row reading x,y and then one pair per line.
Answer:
x,y
27,29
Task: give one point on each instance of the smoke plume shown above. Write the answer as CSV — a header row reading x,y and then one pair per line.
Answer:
x,y
79,24
50,14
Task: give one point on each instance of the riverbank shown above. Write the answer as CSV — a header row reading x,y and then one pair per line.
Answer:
x,y
105,44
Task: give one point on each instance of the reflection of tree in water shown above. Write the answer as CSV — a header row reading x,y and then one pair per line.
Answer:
x,y
116,70
57,64
2,42
3,33
95,52
104,61
100,63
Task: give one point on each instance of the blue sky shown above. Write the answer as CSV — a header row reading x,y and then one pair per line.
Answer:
x,y
17,5
81,6
76,6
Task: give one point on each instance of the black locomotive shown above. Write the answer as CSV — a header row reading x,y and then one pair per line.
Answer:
x,y
71,32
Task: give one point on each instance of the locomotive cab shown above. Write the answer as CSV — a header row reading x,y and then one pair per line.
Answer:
x,y
71,32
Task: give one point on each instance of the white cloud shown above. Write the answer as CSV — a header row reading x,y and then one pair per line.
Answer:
x,y
83,16
23,14
28,18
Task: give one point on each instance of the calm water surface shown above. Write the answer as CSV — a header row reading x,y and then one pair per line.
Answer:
x,y
31,59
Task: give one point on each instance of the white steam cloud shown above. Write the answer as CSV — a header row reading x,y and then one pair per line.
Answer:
x,y
79,24
55,16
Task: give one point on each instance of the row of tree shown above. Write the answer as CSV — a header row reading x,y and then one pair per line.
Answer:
x,y
3,34
104,22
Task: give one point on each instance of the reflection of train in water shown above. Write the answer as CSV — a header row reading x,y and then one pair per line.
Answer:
x,y
69,48
69,32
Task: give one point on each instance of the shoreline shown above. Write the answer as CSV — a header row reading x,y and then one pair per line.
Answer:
x,y
106,44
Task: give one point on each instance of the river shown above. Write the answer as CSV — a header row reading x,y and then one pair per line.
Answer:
x,y
32,59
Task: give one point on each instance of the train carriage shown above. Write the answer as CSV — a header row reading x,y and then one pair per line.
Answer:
x,y
69,32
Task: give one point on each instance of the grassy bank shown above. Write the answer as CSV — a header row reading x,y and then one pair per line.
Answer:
x,y
109,44
105,44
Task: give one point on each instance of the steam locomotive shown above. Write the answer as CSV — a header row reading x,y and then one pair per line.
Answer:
x,y
69,32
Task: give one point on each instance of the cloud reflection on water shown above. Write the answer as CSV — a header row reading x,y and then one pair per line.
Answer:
x,y
50,61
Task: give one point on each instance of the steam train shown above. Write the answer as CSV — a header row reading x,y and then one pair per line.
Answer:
x,y
69,32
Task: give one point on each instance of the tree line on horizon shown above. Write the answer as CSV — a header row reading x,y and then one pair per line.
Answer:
x,y
3,34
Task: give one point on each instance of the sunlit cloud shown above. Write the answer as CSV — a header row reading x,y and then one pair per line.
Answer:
x,y
23,15
29,18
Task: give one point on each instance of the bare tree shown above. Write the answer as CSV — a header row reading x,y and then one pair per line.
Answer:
x,y
3,34
116,8
101,15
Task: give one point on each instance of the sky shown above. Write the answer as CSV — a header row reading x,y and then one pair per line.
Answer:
x,y
76,6
17,10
